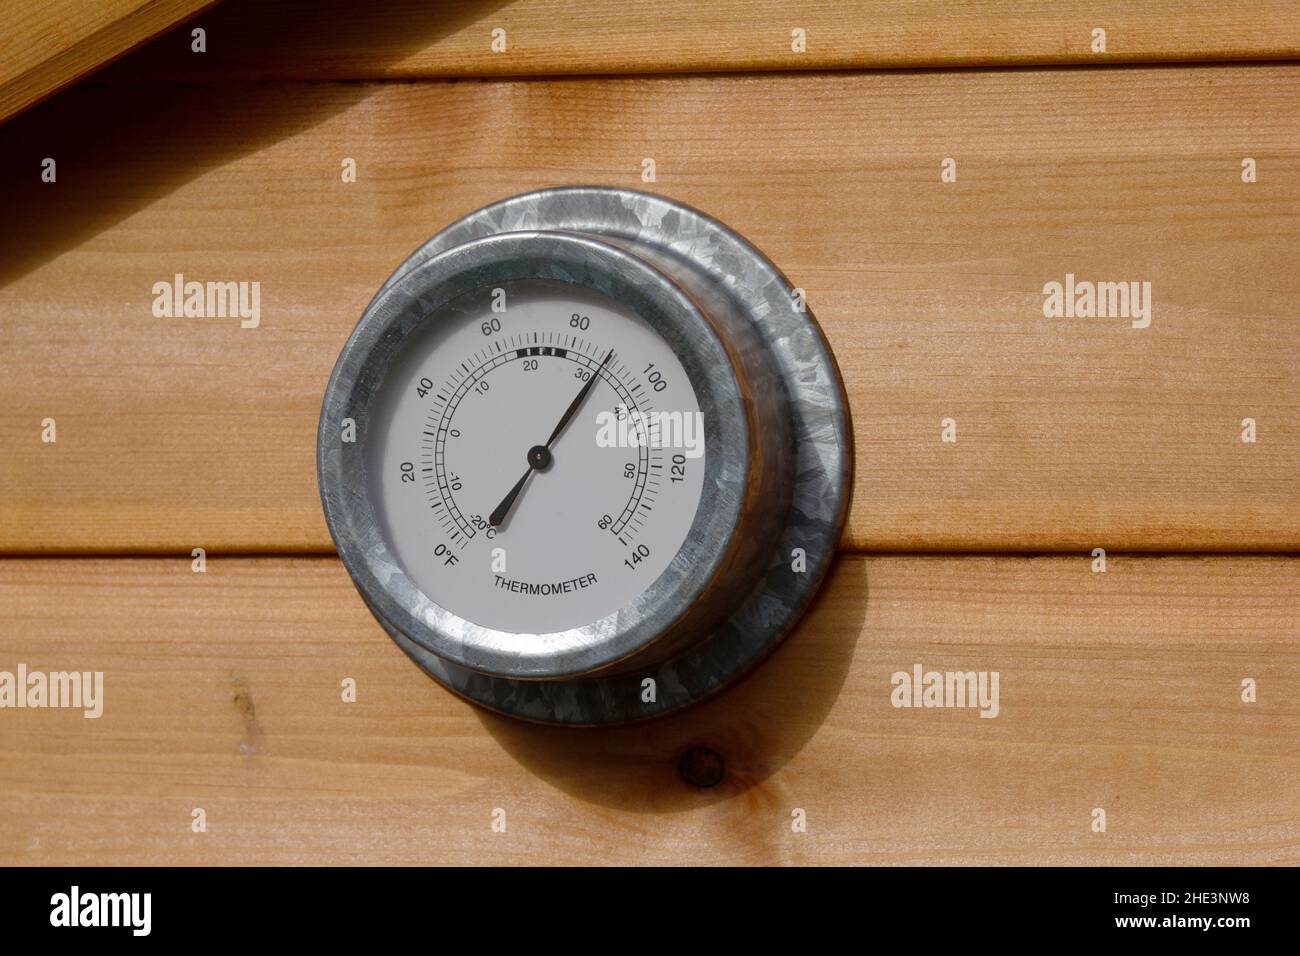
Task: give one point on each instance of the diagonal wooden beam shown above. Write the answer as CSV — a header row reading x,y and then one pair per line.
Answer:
x,y
47,46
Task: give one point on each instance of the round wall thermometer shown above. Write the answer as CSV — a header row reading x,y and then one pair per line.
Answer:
x,y
585,456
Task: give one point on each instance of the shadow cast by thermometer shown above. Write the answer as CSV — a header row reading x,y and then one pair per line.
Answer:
x,y
755,726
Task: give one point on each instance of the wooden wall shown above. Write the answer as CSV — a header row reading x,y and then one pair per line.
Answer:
x,y
1119,690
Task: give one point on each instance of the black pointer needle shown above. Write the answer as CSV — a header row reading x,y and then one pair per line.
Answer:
x,y
539,456
499,515
573,405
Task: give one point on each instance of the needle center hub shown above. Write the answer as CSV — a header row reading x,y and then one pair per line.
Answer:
x,y
539,457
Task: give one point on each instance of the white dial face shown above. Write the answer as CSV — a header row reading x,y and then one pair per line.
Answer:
x,y
503,507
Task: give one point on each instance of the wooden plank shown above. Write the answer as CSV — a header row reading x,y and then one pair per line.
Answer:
x,y
49,45
1072,433
308,39
1119,691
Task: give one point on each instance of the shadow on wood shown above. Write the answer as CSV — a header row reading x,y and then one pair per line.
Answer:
x,y
109,139
756,726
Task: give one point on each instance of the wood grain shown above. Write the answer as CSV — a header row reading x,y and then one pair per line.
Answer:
x,y
222,691
48,45
1072,434
332,40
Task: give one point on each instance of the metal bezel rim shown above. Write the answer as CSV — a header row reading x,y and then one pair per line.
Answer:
x,y
401,310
